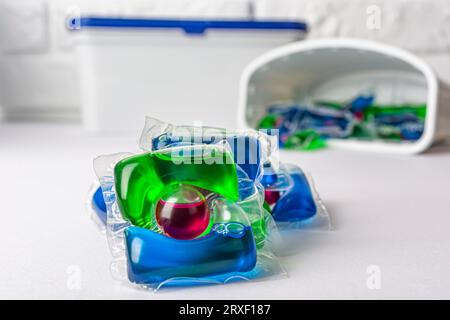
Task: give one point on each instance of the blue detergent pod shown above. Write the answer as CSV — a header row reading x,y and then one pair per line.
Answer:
x,y
246,149
98,204
361,103
292,196
396,119
154,258
411,131
269,177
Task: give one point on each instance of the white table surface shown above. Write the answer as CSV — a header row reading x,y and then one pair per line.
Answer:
x,y
388,211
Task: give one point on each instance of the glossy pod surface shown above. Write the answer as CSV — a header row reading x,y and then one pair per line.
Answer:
x,y
246,149
152,257
141,180
297,203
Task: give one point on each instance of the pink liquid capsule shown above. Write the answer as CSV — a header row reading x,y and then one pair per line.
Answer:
x,y
183,213
271,196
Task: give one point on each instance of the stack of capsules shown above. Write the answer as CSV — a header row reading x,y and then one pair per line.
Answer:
x,y
200,205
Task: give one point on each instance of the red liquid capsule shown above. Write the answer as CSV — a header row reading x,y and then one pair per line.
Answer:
x,y
271,196
183,213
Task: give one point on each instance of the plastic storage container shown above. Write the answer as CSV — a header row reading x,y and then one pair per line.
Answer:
x,y
184,70
336,69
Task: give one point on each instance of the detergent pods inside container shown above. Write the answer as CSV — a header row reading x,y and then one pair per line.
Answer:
x,y
345,93
175,217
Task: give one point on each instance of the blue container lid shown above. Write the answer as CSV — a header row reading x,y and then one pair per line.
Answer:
x,y
188,26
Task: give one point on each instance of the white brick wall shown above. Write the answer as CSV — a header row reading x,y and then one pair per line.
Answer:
x,y
38,77
417,25
37,65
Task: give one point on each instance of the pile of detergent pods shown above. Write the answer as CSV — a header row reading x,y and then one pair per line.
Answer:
x,y
200,205
309,127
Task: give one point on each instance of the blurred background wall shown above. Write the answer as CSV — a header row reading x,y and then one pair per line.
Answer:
x,y
38,75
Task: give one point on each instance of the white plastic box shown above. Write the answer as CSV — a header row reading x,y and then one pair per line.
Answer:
x,y
185,71
336,69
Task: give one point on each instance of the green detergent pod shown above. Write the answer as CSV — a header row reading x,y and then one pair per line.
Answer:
x,y
306,140
141,180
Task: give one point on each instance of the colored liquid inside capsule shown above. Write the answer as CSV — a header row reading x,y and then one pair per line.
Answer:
x,y
271,196
140,180
183,213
